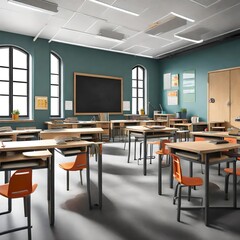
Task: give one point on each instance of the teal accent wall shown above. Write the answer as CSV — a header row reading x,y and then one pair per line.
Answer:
x,y
221,55
80,59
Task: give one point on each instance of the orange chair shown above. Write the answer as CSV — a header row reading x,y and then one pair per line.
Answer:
x,y
19,186
183,181
229,171
164,151
78,165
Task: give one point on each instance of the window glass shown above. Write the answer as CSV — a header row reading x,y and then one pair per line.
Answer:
x,y
20,89
4,109
4,57
4,73
21,104
19,75
54,79
54,91
4,88
54,107
54,64
19,59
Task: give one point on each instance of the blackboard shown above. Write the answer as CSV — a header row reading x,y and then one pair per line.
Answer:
x,y
97,94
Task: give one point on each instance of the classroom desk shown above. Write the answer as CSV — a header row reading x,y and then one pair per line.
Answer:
x,y
122,124
14,133
201,152
70,132
148,132
11,158
213,135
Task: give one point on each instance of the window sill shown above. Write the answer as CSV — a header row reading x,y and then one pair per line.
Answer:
x,y
19,120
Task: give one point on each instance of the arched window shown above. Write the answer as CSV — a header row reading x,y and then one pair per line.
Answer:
x,y
14,81
55,92
138,89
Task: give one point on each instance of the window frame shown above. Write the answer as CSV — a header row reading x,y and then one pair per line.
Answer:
x,y
137,67
11,81
59,85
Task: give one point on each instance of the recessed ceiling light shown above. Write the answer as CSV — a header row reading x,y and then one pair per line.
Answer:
x,y
37,5
188,39
115,8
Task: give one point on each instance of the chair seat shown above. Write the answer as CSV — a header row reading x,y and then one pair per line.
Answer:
x,y
4,191
69,166
192,181
230,171
160,152
154,142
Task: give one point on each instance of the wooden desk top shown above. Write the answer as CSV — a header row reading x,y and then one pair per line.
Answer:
x,y
151,129
220,134
41,144
202,147
74,130
16,132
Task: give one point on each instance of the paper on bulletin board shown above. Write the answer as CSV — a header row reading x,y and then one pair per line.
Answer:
x,y
175,80
167,81
126,106
172,97
68,105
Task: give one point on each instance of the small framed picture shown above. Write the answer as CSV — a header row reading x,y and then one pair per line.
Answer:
x,y
41,103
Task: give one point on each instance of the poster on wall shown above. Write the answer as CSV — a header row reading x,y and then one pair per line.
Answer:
x,y
167,81
172,97
189,86
41,103
175,80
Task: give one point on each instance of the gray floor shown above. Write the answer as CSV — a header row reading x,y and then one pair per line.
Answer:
x,y
132,209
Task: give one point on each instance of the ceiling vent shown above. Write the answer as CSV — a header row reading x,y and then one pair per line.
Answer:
x,y
170,22
111,35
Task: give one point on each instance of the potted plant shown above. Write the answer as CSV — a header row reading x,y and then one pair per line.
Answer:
x,y
141,111
183,113
15,114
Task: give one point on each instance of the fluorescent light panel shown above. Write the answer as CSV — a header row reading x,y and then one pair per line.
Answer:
x,y
188,39
115,8
37,5
109,39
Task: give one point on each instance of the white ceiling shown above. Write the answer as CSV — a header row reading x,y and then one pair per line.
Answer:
x,y
79,22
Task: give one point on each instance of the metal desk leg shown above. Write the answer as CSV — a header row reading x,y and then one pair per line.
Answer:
x,y
206,190
51,188
234,185
88,180
145,154
159,174
100,178
129,146
190,174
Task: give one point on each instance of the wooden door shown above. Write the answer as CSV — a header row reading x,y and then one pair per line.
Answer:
x,y
235,97
219,93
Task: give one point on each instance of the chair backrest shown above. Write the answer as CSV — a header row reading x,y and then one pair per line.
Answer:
x,y
81,161
177,170
230,140
164,147
20,184
198,139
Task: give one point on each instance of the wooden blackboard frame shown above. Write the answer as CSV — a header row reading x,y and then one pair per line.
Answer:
x,y
98,90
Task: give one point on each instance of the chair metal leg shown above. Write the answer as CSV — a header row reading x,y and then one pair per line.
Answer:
x,y
81,177
176,193
179,203
67,180
226,186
